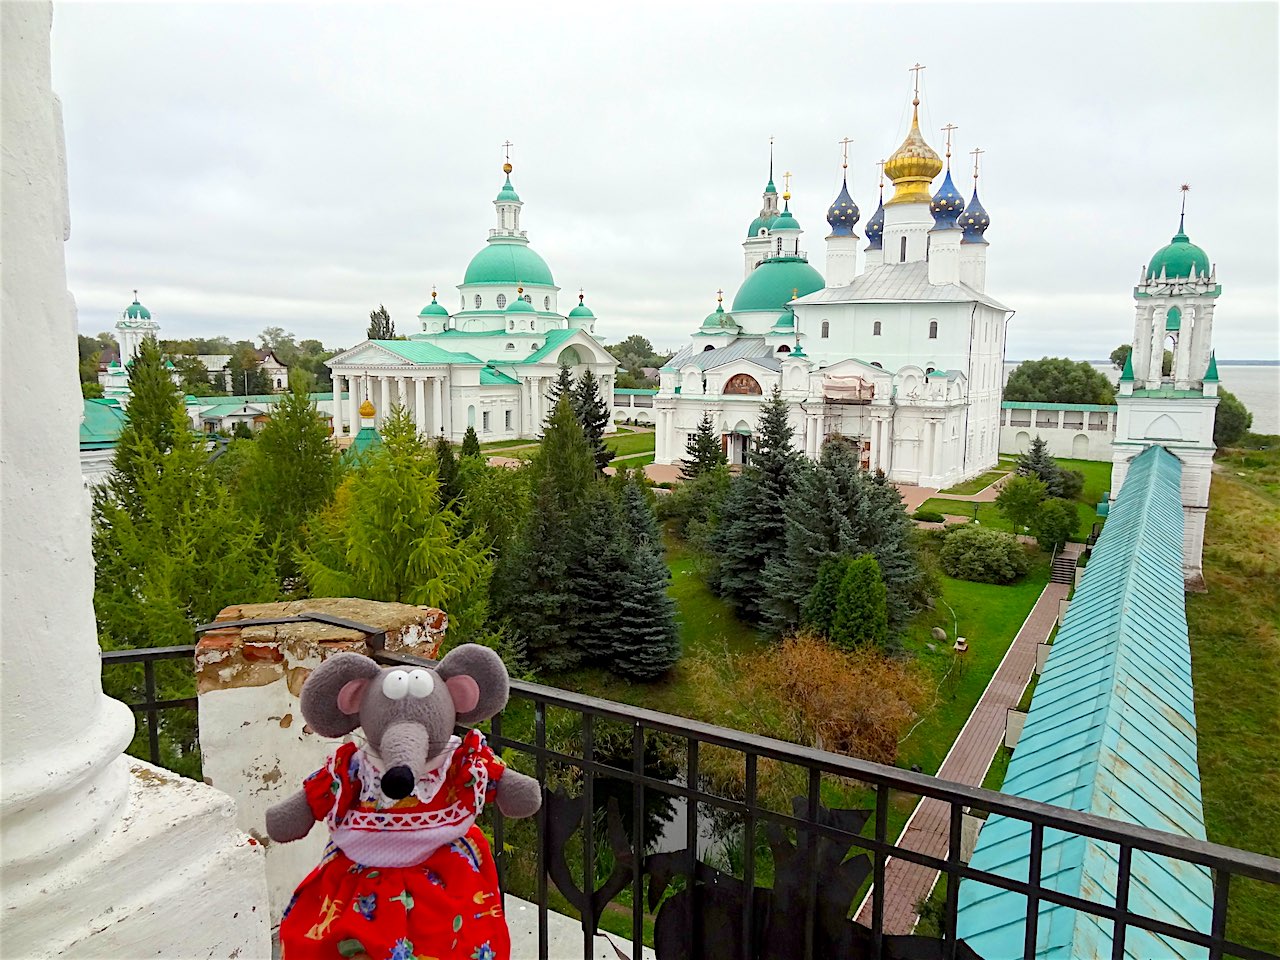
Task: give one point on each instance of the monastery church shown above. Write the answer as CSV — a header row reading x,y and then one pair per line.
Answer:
x,y
488,365
905,353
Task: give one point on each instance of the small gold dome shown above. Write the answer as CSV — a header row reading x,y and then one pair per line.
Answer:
x,y
366,408
913,165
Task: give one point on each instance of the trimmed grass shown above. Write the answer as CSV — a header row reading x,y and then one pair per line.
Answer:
x,y
989,616
1235,662
975,484
503,444
639,460
988,515
631,443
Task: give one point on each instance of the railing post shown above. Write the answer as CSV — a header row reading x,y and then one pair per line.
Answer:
x,y
499,831
1033,900
637,842
153,718
1221,885
540,768
953,880
588,836
749,863
878,864
691,845
1122,903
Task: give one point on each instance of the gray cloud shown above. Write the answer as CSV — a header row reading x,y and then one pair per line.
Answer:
x,y
247,165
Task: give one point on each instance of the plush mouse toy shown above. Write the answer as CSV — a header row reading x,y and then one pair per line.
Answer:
x,y
407,872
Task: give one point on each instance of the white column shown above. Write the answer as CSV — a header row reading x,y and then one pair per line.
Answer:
x,y
1155,368
119,883
355,387
437,407
385,393
446,405
337,404
420,404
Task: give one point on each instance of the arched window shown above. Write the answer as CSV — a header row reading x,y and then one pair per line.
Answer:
x,y
535,346
709,346
743,384
546,303
826,329
471,416
502,300
478,301
928,370
878,364
511,324
933,329
528,299
784,349
779,245
511,346
875,329
502,216
903,256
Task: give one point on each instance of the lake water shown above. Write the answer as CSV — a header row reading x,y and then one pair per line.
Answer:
x,y
1257,386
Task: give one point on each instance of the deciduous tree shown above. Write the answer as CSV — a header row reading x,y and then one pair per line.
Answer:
x,y
1232,419
1058,380
381,326
1054,523
1020,497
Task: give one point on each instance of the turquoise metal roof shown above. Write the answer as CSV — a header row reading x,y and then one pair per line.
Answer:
x,y
635,392
101,425
423,351
491,377
1033,405
554,339
1111,731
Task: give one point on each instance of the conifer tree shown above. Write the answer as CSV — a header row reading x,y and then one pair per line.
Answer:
x,y
593,414
753,528
387,536
860,616
593,572
820,606
534,591
470,443
647,638
289,473
1037,462
703,451
562,386
447,469
381,326
151,426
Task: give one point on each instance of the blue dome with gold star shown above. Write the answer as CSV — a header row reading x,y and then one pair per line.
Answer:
x,y
947,205
875,227
974,220
843,213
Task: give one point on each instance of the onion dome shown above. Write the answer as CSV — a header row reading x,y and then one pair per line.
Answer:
x,y
136,311
913,165
875,227
433,309
946,205
785,221
786,322
1179,258
775,283
366,408
758,224
717,319
508,193
843,213
974,220
519,304
582,310
769,187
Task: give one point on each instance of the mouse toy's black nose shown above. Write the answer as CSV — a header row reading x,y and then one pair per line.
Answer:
x,y
397,783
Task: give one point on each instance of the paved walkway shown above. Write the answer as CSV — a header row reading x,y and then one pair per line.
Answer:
x,y
967,762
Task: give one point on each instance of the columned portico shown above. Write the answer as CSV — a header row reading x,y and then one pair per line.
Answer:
x,y
420,405
337,405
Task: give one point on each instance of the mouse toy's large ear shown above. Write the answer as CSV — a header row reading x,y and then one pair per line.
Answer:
x,y
477,678
332,695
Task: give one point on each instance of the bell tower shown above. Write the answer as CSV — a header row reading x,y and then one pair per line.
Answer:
x,y
1174,408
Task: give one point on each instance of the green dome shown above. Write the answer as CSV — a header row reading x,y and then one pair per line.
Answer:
x,y
1177,259
784,221
769,285
717,319
758,224
508,263
433,309
136,311
518,305
786,321
582,310
507,192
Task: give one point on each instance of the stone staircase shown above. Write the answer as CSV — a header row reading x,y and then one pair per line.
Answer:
x,y
1064,567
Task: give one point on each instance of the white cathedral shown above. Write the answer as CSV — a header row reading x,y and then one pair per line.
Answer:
x,y
906,354
490,364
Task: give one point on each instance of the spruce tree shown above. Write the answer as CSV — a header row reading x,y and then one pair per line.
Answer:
x,y
647,637
289,473
447,469
593,414
820,605
860,616
381,326
154,404
754,526
1036,462
470,443
562,386
594,580
703,451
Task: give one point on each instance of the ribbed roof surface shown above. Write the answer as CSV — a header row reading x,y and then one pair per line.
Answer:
x,y
740,348
423,351
1111,731
899,281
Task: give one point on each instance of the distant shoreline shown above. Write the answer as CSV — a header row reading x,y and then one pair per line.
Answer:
x,y
1221,363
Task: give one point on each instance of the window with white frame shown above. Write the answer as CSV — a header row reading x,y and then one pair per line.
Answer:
x,y
502,300
506,420
484,421
478,301
875,329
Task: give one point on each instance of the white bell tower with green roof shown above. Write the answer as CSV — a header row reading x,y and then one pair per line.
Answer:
x,y
1175,298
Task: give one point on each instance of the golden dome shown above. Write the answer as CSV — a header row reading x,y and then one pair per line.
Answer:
x,y
913,165
366,408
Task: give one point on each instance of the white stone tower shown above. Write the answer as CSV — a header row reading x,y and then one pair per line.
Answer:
x,y
1175,299
759,244
842,241
135,323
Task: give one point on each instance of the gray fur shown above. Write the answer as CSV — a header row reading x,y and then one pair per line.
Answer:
x,y
409,732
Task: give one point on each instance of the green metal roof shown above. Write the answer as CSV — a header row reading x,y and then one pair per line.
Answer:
x,y
1211,374
433,309
508,261
549,346
770,285
634,392
758,224
784,221
102,423
136,311
492,377
519,305
1178,258
1032,405
366,439
423,351
1127,373
1111,731
507,193
1173,319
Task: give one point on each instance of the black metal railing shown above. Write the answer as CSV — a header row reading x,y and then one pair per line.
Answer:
x,y
796,899
149,706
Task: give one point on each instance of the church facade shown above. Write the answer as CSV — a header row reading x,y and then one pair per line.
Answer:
x,y
490,363
903,351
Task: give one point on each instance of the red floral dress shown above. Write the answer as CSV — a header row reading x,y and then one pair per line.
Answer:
x,y
409,879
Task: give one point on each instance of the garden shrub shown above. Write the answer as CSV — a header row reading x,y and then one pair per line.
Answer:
x,y
983,555
1054,524
928,516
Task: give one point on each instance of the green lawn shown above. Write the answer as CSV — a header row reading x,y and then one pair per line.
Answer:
x,y
1235,664
975,484
631,443
503,444
989,617
639,460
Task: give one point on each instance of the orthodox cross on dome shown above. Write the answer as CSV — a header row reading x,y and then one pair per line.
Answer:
x,y
720,295
915,102
135,292
786,185
1185,188
976,152
880,164
844,152
947,130
771,159
506,152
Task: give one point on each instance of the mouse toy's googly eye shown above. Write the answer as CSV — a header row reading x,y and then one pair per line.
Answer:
x,y
395,685
421,683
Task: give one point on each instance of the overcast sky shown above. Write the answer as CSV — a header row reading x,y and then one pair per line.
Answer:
x,y
297,164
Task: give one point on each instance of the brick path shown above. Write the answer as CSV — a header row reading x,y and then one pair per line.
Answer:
x,y
928,827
